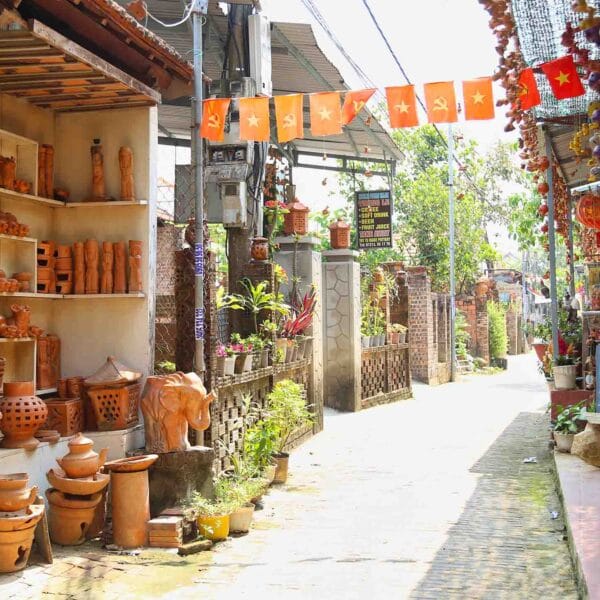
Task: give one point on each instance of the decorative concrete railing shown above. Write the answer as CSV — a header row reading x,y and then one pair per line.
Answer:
x,y
385,374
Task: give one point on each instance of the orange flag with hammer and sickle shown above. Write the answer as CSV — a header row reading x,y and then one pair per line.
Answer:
x,y
354,102
254,120
289,117
441,102
528,95
325,113
479,99
214,112
402,106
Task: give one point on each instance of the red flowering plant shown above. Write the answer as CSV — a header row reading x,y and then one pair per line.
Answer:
x,y
302,315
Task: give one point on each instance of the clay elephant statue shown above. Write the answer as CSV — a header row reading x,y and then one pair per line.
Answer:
x,y
170,404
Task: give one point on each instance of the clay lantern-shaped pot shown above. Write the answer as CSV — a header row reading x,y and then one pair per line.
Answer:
x,y
482,287
22,415
82,461
259,250
339,235
295,221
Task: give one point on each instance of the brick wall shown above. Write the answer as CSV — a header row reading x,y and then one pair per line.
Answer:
x,y
466,305
512,330
482,348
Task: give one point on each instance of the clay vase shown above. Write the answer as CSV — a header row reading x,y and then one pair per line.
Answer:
x,y
22,415
70,517
82,461
130,500
14,493
259,249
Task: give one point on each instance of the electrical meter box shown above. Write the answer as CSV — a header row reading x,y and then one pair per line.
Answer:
x,y
233,200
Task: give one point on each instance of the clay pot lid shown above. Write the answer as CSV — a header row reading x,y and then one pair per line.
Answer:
x,y
112,372
80,441
82,486
259,239
13,481
132,463
19,388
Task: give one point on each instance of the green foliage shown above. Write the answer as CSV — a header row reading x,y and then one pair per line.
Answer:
x,y
287,411
566,421
259,443
497,330
165,367
462,335
234,492
196,505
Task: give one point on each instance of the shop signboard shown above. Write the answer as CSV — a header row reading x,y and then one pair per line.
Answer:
x,y
373,219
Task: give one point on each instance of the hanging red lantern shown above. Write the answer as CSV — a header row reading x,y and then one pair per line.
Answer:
x,y
543,188
543,210
545,228
587,211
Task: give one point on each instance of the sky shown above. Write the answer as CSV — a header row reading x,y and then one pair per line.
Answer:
x,y
437,40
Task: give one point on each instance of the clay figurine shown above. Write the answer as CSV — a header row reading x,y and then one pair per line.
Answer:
x,y
49,168
20,319
98,189
120,278
106,285
48,361
126,167
170,404
135,266
42,189
92,279
78,268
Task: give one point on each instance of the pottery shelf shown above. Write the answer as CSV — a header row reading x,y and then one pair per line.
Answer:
x,y
16,340
12,195
51,390
71,296
16,238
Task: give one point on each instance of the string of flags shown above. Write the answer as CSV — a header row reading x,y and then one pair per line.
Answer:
x,y
328,114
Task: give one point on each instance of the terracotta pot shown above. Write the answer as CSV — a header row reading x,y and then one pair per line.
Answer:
x,y
240,519
394,337
14,493
540,350
79,487
130,500
82,461
70,517
15,547
21,519
259,250
23,414
281,470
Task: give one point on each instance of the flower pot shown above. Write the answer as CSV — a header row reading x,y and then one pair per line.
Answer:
x,y
540,350
256,360
264,358
240,519
229,365
289,355
394,338
301,341
221,366
565,377
382,339
402,337
564,441
214,528
281,345
365,341
243,362
269,472
281,470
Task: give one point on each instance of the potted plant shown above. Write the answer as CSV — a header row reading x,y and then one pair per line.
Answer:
x,y
397,333
566,425
212,516
542,332
243,351
260,352
565,372
236,492
296,325
259,446
287,413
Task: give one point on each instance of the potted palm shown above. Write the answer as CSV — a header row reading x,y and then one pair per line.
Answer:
x,y
287,414
565,372
567,425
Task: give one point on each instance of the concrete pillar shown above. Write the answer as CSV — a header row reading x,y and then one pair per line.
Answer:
x,y
341,329
301,258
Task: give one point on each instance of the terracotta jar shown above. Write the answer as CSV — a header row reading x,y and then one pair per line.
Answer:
x,y
339,235
70,517
14,493
22,415
82,461
295,221
259,249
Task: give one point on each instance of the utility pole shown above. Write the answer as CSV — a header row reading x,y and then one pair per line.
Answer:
x,y
200,9
452,282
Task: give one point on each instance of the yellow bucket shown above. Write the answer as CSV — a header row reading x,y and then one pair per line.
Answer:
x,y
214,528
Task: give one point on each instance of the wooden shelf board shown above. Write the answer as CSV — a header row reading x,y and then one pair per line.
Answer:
x,y
16,238
93,204
12,195
47,391
16,340
30,295
102,296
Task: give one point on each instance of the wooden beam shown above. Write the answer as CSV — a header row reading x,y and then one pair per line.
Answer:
x,y
26,78
104,107
19,89
79,102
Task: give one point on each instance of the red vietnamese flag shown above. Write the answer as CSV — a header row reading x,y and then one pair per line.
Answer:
x,y
354,102
289,116
254,120
214,112
402,106
528,95
563,78
478,98
325,113
441,102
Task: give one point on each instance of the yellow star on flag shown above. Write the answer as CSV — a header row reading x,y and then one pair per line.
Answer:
x,y
253,120
478,97
402,107
523,90
562,78
325,114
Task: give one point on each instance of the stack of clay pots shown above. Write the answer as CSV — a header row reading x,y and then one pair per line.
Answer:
x,y
63,269
76,507
46,276
18,520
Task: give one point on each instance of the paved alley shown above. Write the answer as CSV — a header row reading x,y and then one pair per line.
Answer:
x,y
427,498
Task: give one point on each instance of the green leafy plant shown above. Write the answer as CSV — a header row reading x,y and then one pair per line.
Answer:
x,y
166,367
196,505
259,443
234,492
287,411
565,360
497,330
566,421
398,328
462,335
